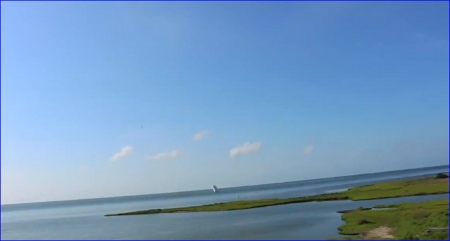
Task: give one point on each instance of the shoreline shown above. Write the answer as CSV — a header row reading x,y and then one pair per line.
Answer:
x,y
382,190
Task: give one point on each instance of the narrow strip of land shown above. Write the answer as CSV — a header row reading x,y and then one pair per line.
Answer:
x,y
426,186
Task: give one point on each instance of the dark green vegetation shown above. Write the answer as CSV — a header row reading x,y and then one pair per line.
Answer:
x,y
425,186
407,221
442,175
386,206
352,210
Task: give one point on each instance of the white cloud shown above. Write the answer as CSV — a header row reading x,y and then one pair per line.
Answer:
x,y
308,149
165,155
201,135
245,149
123,153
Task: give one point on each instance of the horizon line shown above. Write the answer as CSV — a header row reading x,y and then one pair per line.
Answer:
x,y
188,191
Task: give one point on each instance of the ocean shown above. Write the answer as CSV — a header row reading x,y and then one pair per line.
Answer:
x,y
84,219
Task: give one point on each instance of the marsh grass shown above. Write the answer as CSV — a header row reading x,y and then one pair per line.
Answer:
x,y
392,189
407,220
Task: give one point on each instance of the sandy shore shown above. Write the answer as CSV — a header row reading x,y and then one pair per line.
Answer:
x,y
378,233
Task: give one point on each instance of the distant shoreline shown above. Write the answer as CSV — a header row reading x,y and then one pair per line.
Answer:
x,y
382,190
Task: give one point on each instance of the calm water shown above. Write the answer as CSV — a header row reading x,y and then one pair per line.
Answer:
x,y
83,219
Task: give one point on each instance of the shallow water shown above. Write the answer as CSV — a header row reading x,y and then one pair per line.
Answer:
x,y
83,219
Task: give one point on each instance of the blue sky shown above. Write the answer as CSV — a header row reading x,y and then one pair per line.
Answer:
x,y
108,99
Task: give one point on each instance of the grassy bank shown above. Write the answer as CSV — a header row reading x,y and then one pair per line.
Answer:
x,y
239,205
426,186
403,221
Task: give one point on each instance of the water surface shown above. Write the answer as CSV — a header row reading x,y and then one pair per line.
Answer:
x,y
83,219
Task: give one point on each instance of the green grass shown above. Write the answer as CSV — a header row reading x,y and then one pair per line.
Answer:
x,y
406,220
240,205
416,187
377,191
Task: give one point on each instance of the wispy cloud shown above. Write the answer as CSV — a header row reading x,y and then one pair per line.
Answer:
x,y
308,149
165,155
245,149
123,153
201,135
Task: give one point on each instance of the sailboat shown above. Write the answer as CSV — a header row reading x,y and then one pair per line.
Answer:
x,y
214,188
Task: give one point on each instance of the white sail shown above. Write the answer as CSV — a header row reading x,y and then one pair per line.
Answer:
x,y
215,188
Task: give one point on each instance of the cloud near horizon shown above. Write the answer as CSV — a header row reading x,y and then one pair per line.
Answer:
x,y
245,149
127,150
165,155
308,149
201,135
